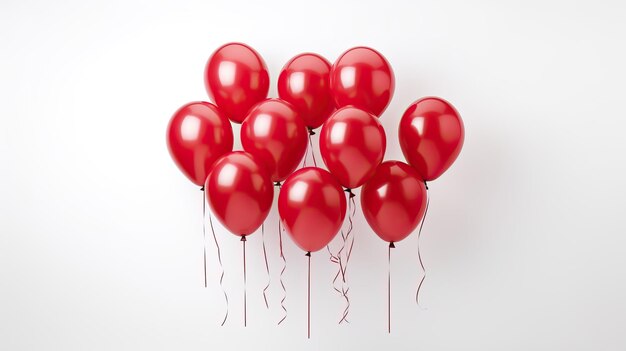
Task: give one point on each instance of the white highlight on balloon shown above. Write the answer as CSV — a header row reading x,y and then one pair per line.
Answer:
x,y
227,175
227,71
296,82
418,124
382,191
298,191
262,125
338,133
348,76
190,128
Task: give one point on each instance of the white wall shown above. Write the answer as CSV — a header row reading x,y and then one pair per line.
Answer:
x,y
100,235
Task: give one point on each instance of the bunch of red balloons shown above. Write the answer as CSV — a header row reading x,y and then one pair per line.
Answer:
x,y
345,99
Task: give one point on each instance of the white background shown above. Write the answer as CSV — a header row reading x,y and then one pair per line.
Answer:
x,y
100,234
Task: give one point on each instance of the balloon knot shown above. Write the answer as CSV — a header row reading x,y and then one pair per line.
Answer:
x,y
311,131
426,185
243,238
308,254
278,184
391,245
202,189
349,191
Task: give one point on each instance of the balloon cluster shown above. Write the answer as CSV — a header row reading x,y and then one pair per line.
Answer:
x,y
345,99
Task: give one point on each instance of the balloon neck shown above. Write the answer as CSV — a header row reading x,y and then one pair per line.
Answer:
x,y
278,184
349,191
311,131
243,238
392,245
308,254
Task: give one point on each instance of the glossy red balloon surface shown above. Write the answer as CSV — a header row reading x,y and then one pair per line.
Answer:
x,y
394,200
236,78
362,77
304,82
312,207
240,192
352,144
431,136
274,133
197,135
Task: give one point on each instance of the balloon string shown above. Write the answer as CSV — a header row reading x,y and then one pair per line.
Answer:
x,y
311,133
344,292
391,246
204,233
306,153
341,271
219,258
245,294
350,220
267,267
337,260
282,272
348,238
309,298
419,255
347,246
282,284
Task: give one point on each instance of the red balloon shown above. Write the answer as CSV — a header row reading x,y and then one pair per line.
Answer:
x,y
312,207
352,144
305,83
431,136
274,133
394,200
236,78
240,192
197,135
362,77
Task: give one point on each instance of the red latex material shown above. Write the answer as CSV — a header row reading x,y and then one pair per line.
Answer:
x,y
276,135
197,135
240,192
312,207
236,78
362,77
352,144
394,200
431,135
305,83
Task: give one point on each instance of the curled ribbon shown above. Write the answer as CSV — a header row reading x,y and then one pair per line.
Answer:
x,y
219,258
419,255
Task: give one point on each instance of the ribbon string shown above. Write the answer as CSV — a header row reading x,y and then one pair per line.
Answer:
x,y
204,234
391,246
267,267
308,254
311,134
335,259
309,148
340,272
419,255
245,293
349,234
348,238
345,251
219,258
282,272
306,152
